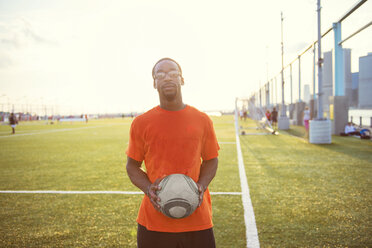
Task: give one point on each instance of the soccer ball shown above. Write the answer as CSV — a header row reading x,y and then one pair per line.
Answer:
x,y
179,196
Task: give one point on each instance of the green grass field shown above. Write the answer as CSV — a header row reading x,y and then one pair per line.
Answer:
x,y
303,195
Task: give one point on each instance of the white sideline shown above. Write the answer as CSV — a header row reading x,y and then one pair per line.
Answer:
x,y
53,131
92,192
249,219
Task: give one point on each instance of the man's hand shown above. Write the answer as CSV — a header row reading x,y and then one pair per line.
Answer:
x,y
201,189
140,179
151,193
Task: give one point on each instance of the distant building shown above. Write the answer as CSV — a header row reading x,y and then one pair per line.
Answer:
x,y
328,78
365,81
347,75
354,89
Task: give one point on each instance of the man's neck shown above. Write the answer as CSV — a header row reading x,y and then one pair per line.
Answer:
x,y
172,105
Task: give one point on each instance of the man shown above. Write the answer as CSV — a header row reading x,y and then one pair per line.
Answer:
x,y
13,122
245,115
274,118
306,118
172,138
268,115
350,129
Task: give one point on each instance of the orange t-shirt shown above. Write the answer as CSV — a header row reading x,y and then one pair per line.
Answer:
x,y
173,142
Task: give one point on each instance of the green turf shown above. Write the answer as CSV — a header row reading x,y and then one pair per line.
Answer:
x,y
227,179
84,157
95,221
307,195
303,195
68,220
80,156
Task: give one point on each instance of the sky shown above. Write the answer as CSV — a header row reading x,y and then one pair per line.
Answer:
x,y
76,56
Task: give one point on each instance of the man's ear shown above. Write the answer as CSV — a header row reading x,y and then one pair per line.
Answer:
x,y
154,84
182,81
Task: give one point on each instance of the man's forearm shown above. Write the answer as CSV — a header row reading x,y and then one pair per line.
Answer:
x,y
207,172
137,175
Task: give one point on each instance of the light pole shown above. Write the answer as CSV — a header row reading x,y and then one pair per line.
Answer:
x,y
283,122
320,128
283,112
320,70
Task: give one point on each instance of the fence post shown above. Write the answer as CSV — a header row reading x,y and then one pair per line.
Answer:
x,y
370,123
351,119
299,78
360,121
290,66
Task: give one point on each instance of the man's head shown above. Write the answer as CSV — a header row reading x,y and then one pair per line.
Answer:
x,y
163,59
167,75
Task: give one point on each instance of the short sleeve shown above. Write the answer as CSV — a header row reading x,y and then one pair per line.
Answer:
x,y
135,148
210,144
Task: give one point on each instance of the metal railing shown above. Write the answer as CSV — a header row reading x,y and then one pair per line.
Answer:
x,y
268,92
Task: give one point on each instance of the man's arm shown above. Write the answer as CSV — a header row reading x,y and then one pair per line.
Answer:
x,y
207,173
140,179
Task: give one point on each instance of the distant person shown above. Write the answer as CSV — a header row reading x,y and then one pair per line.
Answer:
x,y
306,118
245,115
365,133
172,138
13,122
274,118
86,118
350,130
268,116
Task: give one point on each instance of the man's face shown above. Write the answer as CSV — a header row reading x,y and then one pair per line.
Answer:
x,y
168,79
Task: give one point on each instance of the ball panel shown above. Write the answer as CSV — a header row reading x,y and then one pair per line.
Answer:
x,y
170,207
177,212
179,196
163,183
192,184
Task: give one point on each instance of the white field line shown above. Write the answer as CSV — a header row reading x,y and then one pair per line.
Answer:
x,y
92,192
27,131
257,133
10,130
249,219
54,131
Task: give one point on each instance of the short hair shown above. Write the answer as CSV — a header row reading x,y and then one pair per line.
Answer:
x,y
163,59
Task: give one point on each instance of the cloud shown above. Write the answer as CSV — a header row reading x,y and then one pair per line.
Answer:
x,y
20,33
16,34
298,47
29,32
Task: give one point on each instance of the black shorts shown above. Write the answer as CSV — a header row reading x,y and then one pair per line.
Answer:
x,y
196,239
